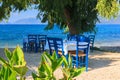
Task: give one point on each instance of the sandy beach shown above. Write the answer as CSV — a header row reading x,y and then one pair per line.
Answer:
x,y
102,65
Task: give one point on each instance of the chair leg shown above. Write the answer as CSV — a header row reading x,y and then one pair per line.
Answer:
x,y
77,61
92,48
86,63
42,47
36,48
25,47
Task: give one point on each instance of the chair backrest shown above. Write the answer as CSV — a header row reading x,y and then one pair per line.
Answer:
x,y
82,44
55,44
42,38
82,38
32,37
92,38
71,37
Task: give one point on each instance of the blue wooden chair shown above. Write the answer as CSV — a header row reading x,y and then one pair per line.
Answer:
x,y
80,55
71,37
92,38
32,43
42,42
25,43
55,44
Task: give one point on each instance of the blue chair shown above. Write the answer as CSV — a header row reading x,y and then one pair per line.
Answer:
x,y
32,43
92,38
71,37
25,43
42,42
80,55
55,44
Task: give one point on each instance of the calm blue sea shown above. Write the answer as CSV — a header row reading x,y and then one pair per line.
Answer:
x,y
13,34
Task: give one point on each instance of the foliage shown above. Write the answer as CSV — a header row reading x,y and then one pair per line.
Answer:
x,y
14,65
69,72
79,15
47,66
50,63
108,8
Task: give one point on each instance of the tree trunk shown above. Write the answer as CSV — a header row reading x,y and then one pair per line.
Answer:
x,y
73,30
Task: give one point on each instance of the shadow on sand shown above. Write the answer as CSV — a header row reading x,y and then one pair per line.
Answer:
x,y
99,59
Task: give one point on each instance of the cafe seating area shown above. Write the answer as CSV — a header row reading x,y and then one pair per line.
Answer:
x,y
34,43
78,46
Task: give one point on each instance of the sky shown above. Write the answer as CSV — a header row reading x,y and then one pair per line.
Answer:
x,y
15,16
32,13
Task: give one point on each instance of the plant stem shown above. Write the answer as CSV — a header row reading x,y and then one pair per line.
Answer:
x,y
21,77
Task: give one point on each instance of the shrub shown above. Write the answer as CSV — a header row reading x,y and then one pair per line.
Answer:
x,y
50,63
14,65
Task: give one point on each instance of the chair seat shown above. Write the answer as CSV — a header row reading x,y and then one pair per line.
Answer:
x,y
42,42
60,53
73,53
31,43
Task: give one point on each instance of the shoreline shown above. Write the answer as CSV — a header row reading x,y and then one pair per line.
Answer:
x,y
108,48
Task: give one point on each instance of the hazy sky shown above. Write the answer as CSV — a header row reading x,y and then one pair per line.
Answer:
x,y
31,13
22,15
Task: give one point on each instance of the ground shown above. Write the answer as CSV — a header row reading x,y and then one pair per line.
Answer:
x,y
102,66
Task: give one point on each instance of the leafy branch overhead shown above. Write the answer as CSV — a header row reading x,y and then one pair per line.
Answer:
x,y
78,15
108,8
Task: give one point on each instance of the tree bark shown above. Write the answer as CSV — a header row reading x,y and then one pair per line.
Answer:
x,y
72,28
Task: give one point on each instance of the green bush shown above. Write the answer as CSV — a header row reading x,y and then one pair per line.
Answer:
x,y
50,63
68,71
14,66
47,66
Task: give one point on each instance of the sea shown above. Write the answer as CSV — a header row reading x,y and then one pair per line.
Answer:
x,y
12,35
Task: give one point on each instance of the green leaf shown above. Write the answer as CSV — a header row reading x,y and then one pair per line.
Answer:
x,y
66,73
46,65
8,54
12,75
54,55
3,62
48,57
7,73
69,61
57,63
18,57
34,75
65,62
78,72
42,71
41,67
21,70
43,74
48,69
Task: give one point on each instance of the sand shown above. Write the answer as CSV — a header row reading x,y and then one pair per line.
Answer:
x,y
102,66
